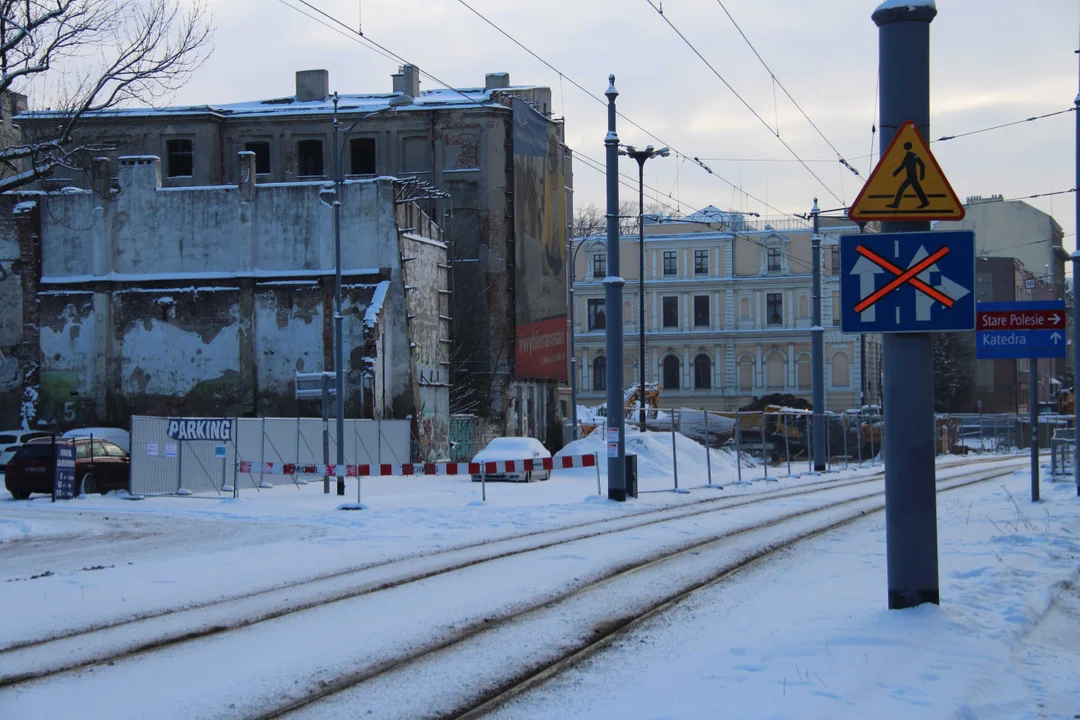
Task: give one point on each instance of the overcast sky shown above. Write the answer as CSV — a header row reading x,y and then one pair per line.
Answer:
x,y
992,62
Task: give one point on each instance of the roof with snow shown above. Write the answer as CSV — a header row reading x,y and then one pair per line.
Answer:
x,y
426,100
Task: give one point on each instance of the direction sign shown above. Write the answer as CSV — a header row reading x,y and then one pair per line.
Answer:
x,y
907,184
1015,330
907,282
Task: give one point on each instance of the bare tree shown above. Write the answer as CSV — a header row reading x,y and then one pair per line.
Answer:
x,y
85,56
590,221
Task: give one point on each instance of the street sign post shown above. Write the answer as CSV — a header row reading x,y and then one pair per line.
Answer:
x,y
907,184
1018,330
907,282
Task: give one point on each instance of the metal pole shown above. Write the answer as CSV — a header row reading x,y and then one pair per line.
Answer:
x,y
764,450
339,350
674,452
1076,314
325,431
596,456
236,468
817,349
910,490
571,276
613,290
845,428
738,447
1033,402
262,449
641,290
708,453
787,442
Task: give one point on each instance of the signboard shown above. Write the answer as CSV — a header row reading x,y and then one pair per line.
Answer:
x,y
613,442
309,385
907,282
219,451
152,449
170,450
1016,330
64,473
907,184
540,211
200,429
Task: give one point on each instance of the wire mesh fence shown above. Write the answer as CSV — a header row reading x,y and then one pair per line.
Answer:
x,y
165,465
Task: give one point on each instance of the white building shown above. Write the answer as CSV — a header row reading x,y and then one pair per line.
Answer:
x,y
727,314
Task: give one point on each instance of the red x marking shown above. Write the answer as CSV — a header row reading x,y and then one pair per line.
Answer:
x,y
904,276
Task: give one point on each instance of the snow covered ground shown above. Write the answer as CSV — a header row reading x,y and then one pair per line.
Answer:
x,y
802,635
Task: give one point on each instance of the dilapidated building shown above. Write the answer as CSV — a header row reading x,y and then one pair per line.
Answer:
x,y
495,150
130,297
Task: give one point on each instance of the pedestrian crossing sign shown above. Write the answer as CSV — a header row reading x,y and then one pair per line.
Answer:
x,y
907,185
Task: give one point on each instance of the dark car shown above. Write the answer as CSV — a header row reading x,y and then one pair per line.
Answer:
x,y
100,466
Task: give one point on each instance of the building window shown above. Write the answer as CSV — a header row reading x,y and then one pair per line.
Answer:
x,y
702,373
774,308
309,157
701,311
597,319
834,259
671,373
362,156
746,373
599,374
599,265
774,372
262,156
671,312
181,159
774,259
670,263
836,309
701,262
841,370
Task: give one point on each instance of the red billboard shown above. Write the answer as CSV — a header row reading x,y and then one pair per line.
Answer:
x,y
539,246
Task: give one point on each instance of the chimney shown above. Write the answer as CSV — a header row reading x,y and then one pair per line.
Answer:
x,y
312,85
407,80
139,172
247,175
101,180
496,81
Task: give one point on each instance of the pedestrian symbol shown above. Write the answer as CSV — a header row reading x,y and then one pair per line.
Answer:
x,y
907,184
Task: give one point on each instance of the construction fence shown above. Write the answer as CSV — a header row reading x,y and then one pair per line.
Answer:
x,y
205,461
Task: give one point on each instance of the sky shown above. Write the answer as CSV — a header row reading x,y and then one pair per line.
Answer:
x,y
991,63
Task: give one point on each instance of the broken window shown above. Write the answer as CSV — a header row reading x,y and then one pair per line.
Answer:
x,y
181,161
262,156
309,158
362,156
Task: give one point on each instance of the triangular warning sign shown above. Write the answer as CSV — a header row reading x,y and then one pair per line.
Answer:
x,y
907,184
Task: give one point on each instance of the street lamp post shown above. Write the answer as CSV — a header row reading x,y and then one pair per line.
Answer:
x,y
641,156
398,100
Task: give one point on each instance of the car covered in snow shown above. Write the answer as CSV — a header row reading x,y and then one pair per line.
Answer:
x,y
504,449
10,440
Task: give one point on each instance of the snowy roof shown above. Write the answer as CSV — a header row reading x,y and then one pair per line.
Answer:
x,y
909,4
290,106
708,214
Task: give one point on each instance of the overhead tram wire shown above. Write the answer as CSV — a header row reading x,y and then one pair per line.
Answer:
x,y
604,103
839,155
715,72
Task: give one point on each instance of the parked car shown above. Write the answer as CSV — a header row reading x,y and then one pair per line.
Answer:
x,y
10,440
513,448
117,436
100,466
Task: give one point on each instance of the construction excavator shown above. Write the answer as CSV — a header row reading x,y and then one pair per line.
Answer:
x,y
630,406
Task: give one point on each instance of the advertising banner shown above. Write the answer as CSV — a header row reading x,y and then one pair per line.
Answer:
x,y
539,246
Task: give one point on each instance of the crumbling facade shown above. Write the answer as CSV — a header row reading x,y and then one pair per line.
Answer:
x,y
134,298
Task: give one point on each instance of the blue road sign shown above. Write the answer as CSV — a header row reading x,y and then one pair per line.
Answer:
x,y
64,471
907,282
1016,330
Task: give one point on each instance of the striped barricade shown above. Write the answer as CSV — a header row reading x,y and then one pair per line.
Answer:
x,y
388,470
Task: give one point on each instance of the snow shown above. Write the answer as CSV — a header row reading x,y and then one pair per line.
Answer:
x,y
371,315
23,206
801,635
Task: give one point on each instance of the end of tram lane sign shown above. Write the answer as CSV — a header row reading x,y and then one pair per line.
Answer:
x,y
1017,330
907,282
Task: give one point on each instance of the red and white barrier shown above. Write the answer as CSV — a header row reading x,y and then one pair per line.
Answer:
x,y
385,470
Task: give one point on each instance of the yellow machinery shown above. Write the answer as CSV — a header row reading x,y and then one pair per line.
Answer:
x,y
630,409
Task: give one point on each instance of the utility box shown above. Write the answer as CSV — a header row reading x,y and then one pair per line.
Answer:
x,y
631,475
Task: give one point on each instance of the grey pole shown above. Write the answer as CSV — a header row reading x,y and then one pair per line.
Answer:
x,y
910,491
339,351
817,348
613,290
1033,402
325,431
1076,314
571,275
708,452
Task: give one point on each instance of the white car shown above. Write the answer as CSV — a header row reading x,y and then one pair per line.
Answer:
x,y
11,440
513,448
117,436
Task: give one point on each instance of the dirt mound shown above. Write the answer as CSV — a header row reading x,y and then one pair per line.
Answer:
x,y
788,401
